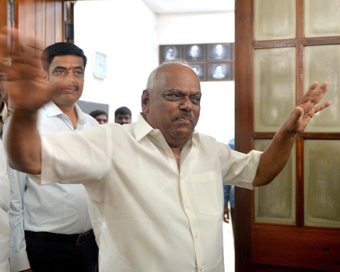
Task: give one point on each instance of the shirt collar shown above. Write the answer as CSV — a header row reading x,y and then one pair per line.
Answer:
x,y
3,113
142,128
53,110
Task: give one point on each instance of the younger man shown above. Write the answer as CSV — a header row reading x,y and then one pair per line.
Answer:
x,y
51,226
123,116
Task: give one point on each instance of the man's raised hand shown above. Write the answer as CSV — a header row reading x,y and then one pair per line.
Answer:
x,y
307,108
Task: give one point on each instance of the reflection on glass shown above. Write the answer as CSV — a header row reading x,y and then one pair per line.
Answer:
x,y
274,87
322,63
322,18
275,19
321,183
275,203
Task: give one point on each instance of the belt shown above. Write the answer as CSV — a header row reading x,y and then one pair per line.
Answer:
x,y
77,239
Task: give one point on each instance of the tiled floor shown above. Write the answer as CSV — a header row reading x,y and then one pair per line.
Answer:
x,y
229,260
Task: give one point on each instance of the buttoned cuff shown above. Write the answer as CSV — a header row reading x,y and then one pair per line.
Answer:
x,y
249,175
19,262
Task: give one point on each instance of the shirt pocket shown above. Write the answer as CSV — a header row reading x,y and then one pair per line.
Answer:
x,y
205,189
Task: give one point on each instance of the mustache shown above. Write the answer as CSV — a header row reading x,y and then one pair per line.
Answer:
x,y
72,86
182,115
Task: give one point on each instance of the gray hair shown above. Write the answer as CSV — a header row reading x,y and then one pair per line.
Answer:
x,y
151,80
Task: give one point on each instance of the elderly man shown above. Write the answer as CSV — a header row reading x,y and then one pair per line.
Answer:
x,y
51,226
155,186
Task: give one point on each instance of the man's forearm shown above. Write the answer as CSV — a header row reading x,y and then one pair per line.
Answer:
x,y
277,154
275,157
23,142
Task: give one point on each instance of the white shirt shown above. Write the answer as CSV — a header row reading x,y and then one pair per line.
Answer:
x,y
4,113
4,207
58,208
147,215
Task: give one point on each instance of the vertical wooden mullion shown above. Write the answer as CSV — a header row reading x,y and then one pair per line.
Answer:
x,y
299,183
300,140
299,94
300,19
243,128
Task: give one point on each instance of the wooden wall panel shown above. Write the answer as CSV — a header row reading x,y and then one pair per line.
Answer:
x,y
50,22
288,246
269,268
3,23
3,13
59,24
27,11
42,19
40,24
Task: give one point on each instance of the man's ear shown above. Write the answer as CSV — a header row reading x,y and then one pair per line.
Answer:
x,y
145,101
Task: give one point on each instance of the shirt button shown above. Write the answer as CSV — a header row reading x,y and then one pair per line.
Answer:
x,y
200,268
181,176
188,206
196,235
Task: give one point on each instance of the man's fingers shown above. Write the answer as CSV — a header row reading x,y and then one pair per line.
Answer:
x,y
312,88
20,69
315,96
321,107
323,89
16,50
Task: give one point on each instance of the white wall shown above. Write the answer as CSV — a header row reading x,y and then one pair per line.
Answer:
x,y
217,107
125,30
129,33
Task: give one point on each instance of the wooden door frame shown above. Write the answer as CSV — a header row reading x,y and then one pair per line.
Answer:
x,y
318,247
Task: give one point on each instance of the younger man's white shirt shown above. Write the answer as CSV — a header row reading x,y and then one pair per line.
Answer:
x,y
4,208
65,210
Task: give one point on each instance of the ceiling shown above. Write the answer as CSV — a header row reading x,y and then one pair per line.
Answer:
x,y
190,6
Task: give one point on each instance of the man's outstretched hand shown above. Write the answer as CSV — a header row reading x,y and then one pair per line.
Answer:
x,y
27,84
307,108
276,155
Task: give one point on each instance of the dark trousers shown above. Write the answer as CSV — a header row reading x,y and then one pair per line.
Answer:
x,y
56,255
